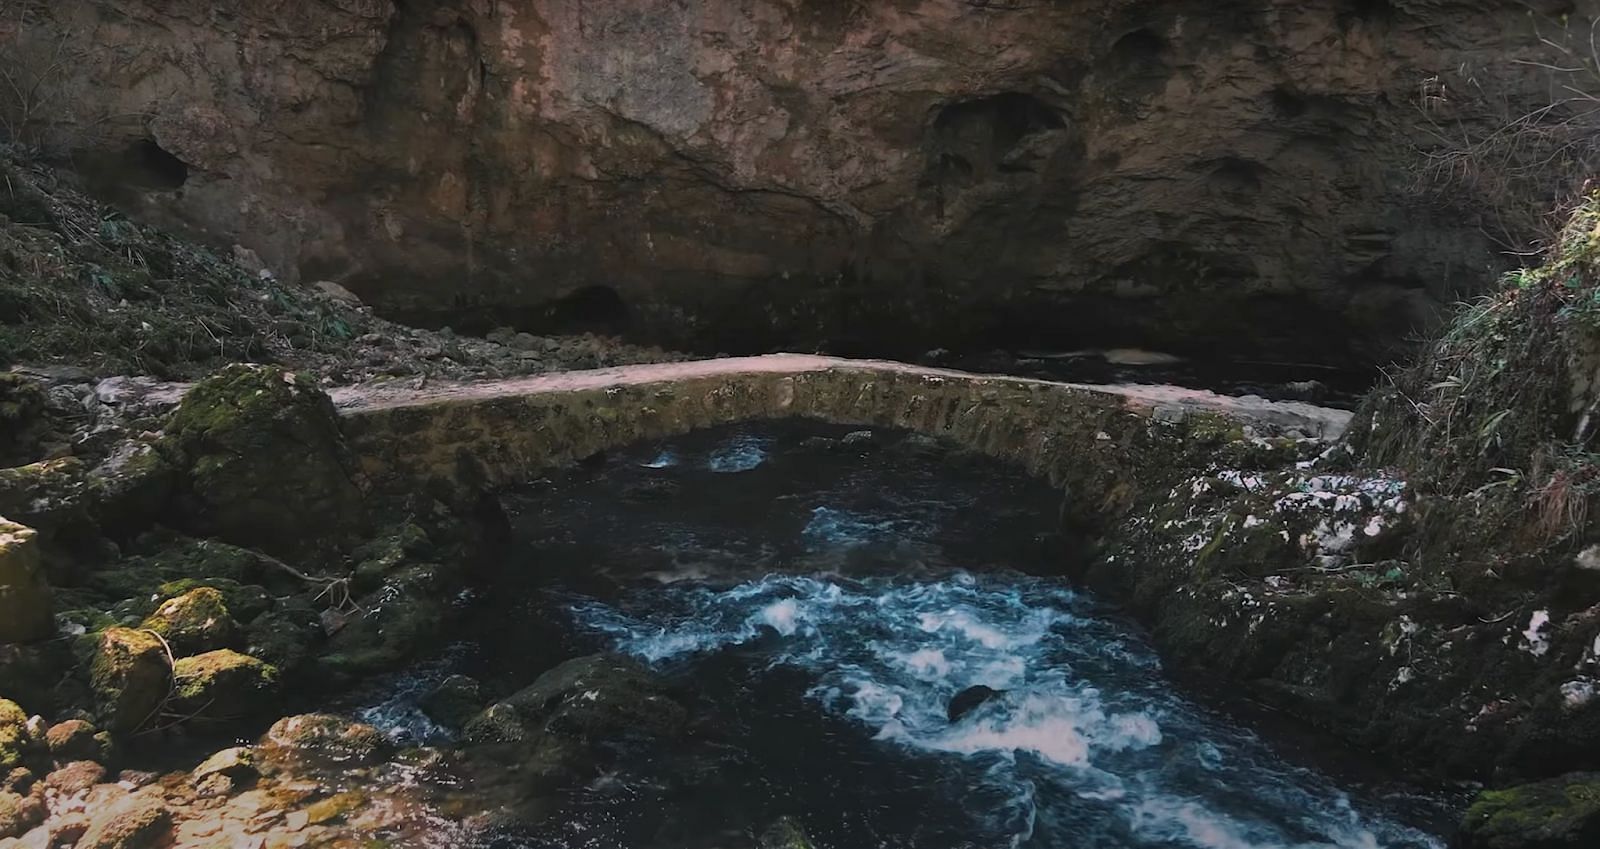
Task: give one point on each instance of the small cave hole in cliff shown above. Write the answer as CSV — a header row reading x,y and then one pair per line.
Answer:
x,y
1006,118
124,175
591,308
1140,48
1371,10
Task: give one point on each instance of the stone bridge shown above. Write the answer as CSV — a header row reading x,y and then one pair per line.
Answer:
x,y
459,440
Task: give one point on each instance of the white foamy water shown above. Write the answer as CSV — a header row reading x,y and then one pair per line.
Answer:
x,y
1087,745
739,455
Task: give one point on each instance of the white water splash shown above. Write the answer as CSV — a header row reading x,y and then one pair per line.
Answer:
x,y
1083,716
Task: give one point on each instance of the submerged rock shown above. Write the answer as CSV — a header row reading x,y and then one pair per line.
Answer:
x,y
786,833
323,736
1560,813
131,677
602,697
565,725
25,601
969,700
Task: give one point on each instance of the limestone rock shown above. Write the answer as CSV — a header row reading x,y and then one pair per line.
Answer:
x,y
223,684
196,621
75,777
131,676
25,602
263,460
138,821
792,144
1560,813
237,763
76,740
326,737
19,813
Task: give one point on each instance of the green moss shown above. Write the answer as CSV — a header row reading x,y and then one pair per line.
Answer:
x,y
129,674
22,419
1559,812
14,737
180,565
265,464
222,684
197,620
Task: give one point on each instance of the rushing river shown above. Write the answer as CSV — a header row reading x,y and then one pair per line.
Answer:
x,y
822,599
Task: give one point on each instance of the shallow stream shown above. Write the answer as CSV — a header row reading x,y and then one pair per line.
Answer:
x,y
819,598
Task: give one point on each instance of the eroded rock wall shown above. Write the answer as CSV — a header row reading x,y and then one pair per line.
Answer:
x,y
1227,177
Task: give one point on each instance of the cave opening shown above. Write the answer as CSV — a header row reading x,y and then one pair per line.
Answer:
x,y
1008,117
1142,47
148,165
591,308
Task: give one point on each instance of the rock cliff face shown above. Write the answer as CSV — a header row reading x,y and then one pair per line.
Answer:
x,y
1235,176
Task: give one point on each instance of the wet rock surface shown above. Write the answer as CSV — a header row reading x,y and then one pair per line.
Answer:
x,y
1561,812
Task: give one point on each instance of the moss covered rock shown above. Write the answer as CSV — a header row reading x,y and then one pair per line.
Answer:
x,y
454,702
786,833
601,697
222,684
77,740
286,637
26,614
196,621
131,677
51,496
16,738
263,460
163,566
1561,813
22,419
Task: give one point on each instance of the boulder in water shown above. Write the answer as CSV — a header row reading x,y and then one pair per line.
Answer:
x,y
1561,813
454,702
969,700
786,833
323,736
600,698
